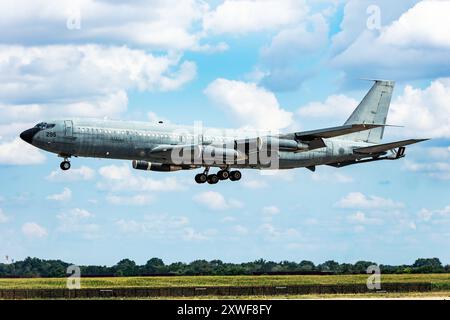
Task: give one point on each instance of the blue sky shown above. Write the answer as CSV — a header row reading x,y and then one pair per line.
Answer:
x,y
287,65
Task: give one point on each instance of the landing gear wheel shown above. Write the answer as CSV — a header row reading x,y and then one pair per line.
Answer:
x,y
235,175
201,178
213,179
65,165
223,174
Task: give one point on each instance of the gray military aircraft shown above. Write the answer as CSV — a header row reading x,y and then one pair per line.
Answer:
x,y
167,147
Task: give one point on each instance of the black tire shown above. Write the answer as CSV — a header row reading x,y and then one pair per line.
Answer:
x,y
235,175
201,178
213,179
223,174
65,165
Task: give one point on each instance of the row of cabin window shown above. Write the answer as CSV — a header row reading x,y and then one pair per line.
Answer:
x,y
91,130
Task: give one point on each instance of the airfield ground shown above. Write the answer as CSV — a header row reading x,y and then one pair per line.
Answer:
x,y
438,284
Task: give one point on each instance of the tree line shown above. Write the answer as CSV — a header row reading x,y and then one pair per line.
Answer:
x,y
34,267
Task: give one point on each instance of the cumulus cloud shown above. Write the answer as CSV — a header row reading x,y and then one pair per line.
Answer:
x,y
34,230
3,217
18,152
361,218
58,73
82,173
271,210
271,232
78,221
418,55
438,170
244,16
65,195
334,177
216,201
427,214
135,200
120,178
157,24
282,57
163,226
424,25
249,104
337,107
240,230
358,200
355,19
254,183
424,112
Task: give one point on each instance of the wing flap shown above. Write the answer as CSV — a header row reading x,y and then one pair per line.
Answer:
x,y
386,147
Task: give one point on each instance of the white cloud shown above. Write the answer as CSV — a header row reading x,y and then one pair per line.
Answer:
x,y
75,174
424,25
216,201
34,230
3,217
254,183
427,214
244,16
361,218
240,230
191,234
301,39
78,221
416,56
18,152
355,19
157,226
273,233
423,112
438,170
337,107
120,178
228,219
70,73
135,200
271,210
327,177
166,25
65,195
249,104
357,200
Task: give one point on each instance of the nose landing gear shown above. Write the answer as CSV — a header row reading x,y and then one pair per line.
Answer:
x,y
65,165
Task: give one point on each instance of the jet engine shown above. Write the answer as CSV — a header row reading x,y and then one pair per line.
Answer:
x,y
144,165
283,144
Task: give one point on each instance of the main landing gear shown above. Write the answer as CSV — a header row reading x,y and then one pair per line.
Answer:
x,y
65,165
223,174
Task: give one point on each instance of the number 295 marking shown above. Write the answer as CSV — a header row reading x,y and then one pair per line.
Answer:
x,y
50,134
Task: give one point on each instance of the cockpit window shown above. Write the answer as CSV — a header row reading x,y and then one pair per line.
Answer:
x,y
44,125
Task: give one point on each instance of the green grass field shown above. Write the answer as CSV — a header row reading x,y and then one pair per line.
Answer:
x,y
439,281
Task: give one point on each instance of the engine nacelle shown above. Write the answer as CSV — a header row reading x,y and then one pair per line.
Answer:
x,y
148,166
284,144
210,153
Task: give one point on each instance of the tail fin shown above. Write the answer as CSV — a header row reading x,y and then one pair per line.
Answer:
x,y
373,109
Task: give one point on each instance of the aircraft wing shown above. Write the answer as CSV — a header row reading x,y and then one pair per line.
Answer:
x,y
380,148
165,151
329,132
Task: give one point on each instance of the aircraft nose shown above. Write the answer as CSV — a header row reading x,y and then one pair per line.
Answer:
x,y
28,135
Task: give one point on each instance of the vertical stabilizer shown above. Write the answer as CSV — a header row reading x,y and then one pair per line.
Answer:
x,y
373,109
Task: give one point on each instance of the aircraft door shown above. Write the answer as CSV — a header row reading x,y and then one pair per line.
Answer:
x,y
68,128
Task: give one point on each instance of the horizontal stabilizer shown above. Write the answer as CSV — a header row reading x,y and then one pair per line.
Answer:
x,y
385,147
330,132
